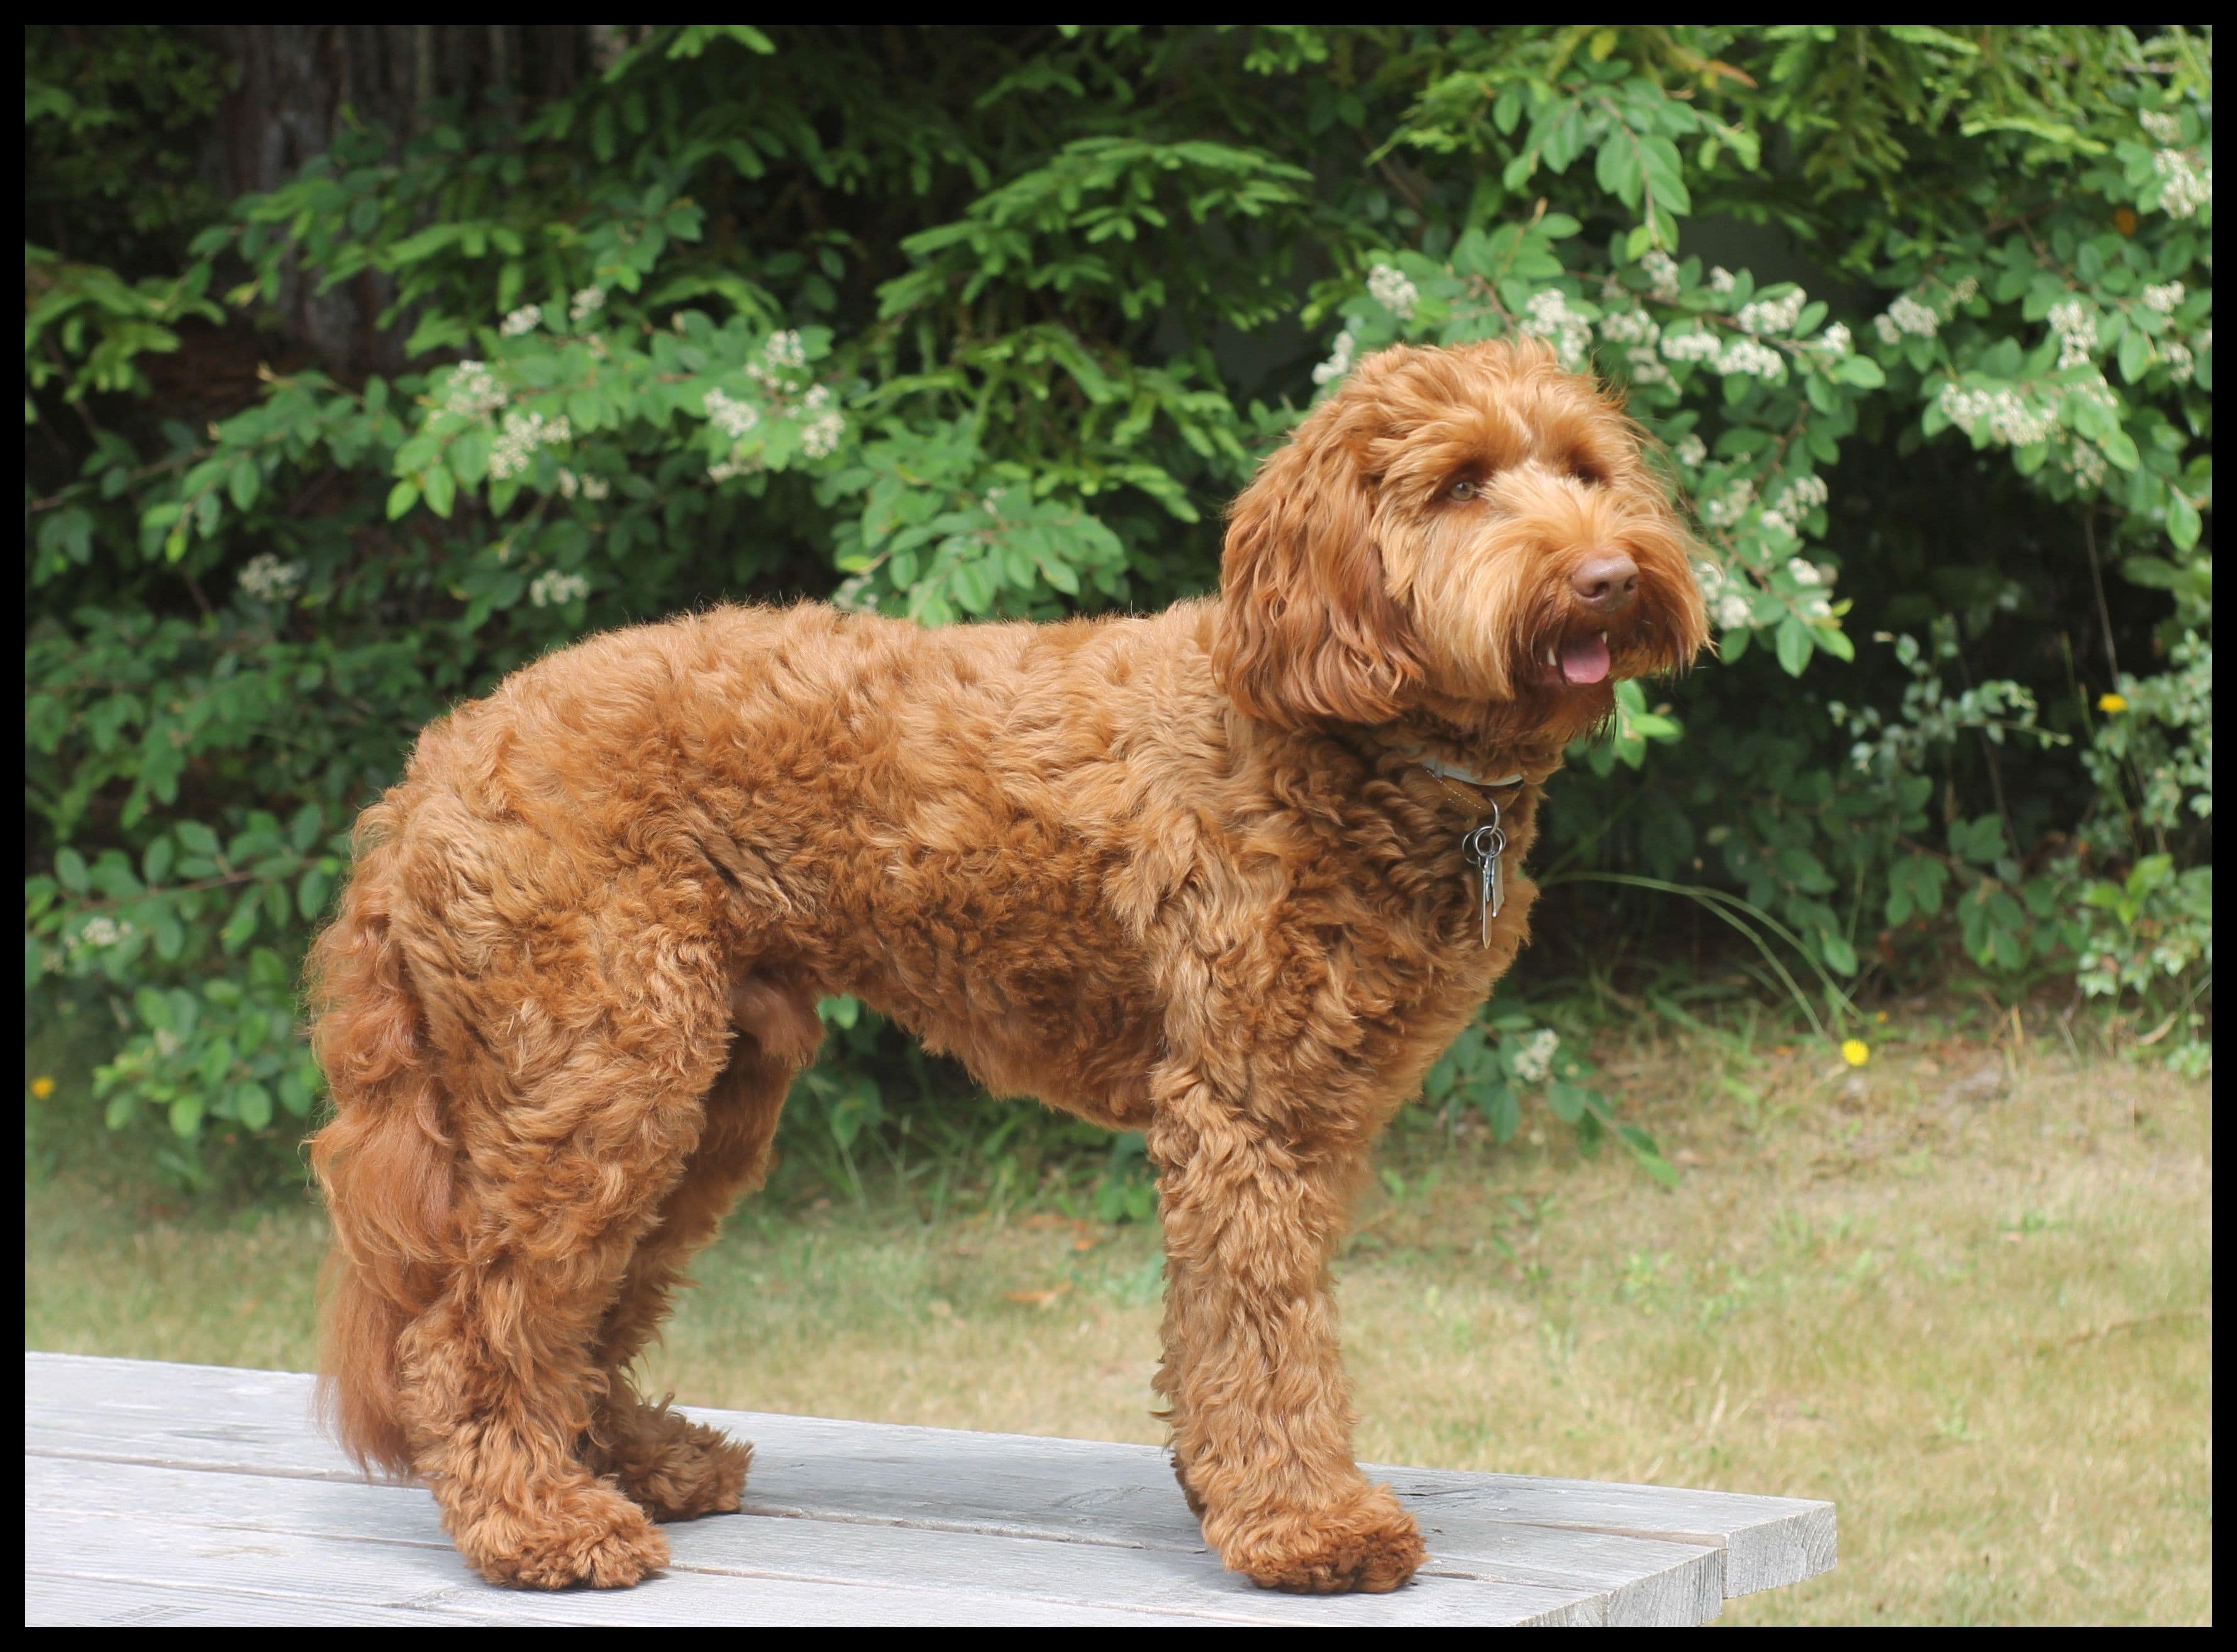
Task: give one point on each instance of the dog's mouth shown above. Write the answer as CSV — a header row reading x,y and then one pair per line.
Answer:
x,y
1580,661
1575,659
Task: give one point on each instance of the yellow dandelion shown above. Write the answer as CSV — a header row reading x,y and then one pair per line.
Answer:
x,y
42,1087
2112,703
1856,1052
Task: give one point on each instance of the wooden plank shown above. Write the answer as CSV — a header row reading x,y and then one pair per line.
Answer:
x,y
1768,1542
399,1526
65,1601
1489,1526
320,1573
813,1468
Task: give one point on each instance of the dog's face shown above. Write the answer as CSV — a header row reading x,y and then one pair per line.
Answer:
x,y
1455,528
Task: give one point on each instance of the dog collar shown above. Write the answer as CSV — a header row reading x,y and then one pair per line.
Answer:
x,y
1454,772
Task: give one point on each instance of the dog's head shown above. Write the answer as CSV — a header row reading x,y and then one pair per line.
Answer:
x,y
1469,527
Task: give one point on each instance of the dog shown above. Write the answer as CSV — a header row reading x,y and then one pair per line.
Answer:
x,y
1233,875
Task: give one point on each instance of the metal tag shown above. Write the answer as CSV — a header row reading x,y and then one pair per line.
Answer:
x,y
1482,847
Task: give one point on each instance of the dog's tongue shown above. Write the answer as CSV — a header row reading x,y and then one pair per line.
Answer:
x,y
1586,662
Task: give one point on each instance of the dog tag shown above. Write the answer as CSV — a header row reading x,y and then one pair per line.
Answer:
x,y
1482,849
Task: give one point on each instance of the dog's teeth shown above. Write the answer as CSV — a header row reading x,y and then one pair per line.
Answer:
x,y
1553,659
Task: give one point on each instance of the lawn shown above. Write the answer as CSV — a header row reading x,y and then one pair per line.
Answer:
x,y
1966,1292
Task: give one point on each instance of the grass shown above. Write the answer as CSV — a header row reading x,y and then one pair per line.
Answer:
x,y
1966,1292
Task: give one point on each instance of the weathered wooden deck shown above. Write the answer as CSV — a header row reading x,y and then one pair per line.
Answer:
x,y
189,1494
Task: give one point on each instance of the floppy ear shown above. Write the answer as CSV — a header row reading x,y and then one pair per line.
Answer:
x,y
1308,631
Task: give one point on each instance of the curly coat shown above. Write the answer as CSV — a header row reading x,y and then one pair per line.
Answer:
x,y
1186,873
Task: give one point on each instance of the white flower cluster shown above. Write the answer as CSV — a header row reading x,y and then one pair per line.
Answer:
x,y
1550,317
1722,279
1905,315
723,470
1641,332
2164,297
1690,346
102,931
552,588
1803,495
1729,506
268,579
1734,610
730,416
1709,576
1691,451
1646,366
2183,188
1389,287
2181,363
1756,359
785,350
473,393
1629,327
2077,332
586,304
1805,572
590,488
1536,1058
522,435
1339,361
1833,343
1662,276
1773,314
2008,417
524,319
2083,463
2161,127
819,435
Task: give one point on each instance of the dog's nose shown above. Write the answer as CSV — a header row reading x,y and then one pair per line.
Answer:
x,y
1607,583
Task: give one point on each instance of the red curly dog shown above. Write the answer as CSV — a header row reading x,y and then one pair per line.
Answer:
x,y
1200,873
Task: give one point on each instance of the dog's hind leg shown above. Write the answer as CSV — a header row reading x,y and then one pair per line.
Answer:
x,y
675,1468
571,1142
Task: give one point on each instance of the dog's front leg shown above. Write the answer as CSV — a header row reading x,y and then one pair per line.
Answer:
x,y
1260,1409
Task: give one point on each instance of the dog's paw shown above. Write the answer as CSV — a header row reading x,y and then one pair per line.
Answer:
x,y
679,1469
1369,1544
585,1535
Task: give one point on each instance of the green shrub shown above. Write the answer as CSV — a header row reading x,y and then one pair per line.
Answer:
x,y
958,322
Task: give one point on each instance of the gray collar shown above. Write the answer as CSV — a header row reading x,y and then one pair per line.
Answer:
x,y
1468,777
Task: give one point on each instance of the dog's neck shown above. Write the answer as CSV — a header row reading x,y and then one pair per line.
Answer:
x,y
1467,745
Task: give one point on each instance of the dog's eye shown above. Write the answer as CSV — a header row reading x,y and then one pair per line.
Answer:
x,y
1463,490
1586,471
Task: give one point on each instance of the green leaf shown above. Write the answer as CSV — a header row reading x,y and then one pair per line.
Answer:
x,y
1648,1155
2135,355
252,1105
1794,643
242,924
2183,524
402,498
441,489
311,892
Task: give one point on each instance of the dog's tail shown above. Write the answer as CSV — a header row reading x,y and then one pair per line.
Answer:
x,y
386,1158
